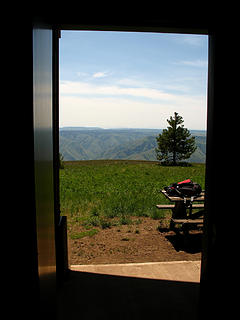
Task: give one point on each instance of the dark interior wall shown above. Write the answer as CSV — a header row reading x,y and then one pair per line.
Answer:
x,y
219,242
209,259
43,164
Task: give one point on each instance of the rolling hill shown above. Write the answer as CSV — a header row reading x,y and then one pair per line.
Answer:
x,y
84,143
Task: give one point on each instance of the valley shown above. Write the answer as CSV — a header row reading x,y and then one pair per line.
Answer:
x,y
86,143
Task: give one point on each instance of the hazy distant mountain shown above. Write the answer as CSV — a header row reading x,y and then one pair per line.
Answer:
x,y
91,143
80,128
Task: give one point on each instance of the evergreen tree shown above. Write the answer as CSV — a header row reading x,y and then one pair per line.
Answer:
x,y
175,143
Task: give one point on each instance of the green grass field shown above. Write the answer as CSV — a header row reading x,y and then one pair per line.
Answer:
x,y
92,192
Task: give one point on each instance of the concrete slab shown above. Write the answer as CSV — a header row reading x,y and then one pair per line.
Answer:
x,y
187,271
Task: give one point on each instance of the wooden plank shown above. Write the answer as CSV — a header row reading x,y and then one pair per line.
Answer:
x,y
171,206
165,206
198,206
193,221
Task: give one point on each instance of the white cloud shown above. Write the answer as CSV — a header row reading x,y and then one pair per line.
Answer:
x,y
195,63
130,82
112,112
123,111
100,74
92,90
81,74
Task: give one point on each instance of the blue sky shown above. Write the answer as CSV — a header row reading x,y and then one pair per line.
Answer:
x,y
132,80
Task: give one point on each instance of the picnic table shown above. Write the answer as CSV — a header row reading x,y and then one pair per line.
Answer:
x,y
182,211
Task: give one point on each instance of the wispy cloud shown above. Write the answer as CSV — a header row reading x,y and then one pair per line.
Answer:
x,y
81,74
85,88
150,95
88,104
119,105
123,112
194,63
100,74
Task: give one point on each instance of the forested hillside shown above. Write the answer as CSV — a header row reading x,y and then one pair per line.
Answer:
x,y
136,144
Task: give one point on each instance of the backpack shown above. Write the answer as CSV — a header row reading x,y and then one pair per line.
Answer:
x,y
184,189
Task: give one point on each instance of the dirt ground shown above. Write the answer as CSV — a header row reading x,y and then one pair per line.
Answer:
x,y
137,242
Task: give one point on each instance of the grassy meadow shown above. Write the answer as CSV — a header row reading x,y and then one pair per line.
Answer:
x,y
92,193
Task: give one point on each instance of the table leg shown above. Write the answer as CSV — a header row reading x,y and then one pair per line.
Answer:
x,y
190,209
179,210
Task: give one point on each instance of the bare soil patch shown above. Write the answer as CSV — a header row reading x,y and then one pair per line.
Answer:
x,y
141,241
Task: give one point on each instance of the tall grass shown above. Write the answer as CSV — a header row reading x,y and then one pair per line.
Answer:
x,y
97,190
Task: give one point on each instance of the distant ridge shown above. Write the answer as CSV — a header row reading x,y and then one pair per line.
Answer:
x,y
194,132
92,143
80,128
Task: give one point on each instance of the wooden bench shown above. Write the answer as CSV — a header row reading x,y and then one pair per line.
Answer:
x,y
186,225
171,206
165,206
188,221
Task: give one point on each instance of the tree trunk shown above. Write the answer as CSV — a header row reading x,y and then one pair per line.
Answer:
x,y
174,139
174,158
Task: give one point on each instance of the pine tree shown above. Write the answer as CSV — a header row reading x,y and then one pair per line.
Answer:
x,y
175,143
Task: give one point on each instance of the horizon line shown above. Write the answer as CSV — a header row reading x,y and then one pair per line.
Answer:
x,y
122,128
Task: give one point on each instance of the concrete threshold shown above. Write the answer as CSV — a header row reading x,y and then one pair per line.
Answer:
x,y
187,271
